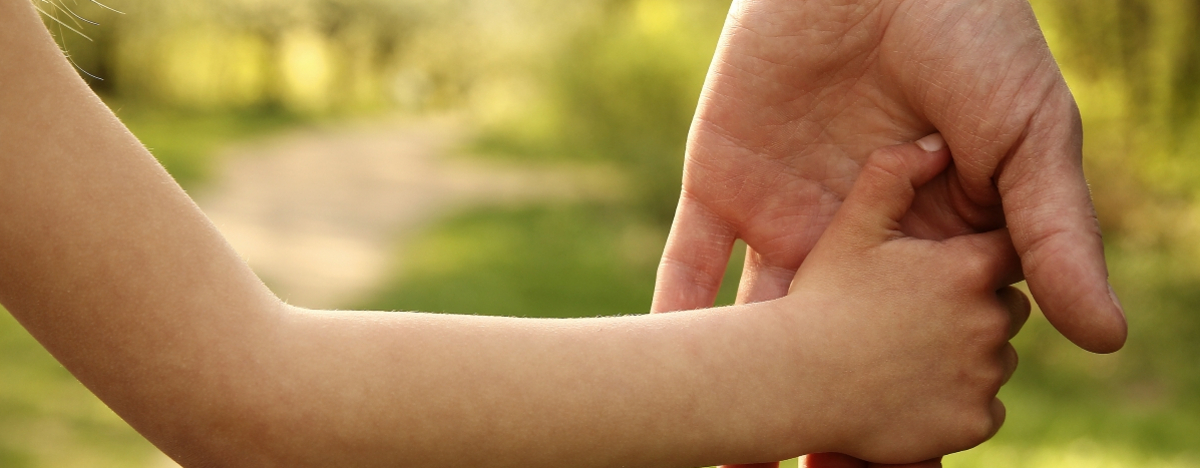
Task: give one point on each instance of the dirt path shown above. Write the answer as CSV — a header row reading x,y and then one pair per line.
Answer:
x,y
319,213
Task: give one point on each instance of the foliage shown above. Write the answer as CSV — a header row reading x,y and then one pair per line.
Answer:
x,y
314,57
624,90
1134,66
304,56
607,79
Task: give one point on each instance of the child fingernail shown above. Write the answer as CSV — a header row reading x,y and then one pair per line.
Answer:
x,y
932,143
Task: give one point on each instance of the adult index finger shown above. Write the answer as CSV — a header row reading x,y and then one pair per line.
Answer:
x,y
694,259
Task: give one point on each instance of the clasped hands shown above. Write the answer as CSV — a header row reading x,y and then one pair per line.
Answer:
x,y
801,93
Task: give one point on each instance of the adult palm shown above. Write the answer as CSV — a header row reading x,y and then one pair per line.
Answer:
x,y
801,92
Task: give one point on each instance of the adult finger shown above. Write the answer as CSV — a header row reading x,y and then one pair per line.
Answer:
x,y
1018,307
886,186
761,281
694,259
935,463
1054,228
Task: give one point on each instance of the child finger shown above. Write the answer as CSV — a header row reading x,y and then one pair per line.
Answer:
x,y
837,460
999,414
1018,306
934,463
989,258
832,460
887,184
1010,361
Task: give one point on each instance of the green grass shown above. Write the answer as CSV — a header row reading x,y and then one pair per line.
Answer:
x,y
548,261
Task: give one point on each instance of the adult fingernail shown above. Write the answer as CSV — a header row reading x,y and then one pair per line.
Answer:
x,y
932,143
1116,301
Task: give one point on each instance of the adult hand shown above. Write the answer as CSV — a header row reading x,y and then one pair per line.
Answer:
x,y
800,93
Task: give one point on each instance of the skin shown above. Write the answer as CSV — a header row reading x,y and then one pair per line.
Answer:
x,y
119,275
801,92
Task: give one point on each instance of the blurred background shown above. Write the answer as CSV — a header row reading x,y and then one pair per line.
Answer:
x,y
521,157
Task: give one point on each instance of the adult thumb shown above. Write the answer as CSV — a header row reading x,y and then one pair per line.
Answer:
x,y
1055,230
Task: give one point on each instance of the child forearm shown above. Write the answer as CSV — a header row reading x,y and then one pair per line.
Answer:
x,y
435,390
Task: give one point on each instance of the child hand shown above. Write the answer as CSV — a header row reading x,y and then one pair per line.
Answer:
x,y
911,336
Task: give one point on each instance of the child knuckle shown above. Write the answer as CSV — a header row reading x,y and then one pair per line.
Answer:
x,y
887,162
995,379
976,428
973,268
997,324
984,380
989,328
